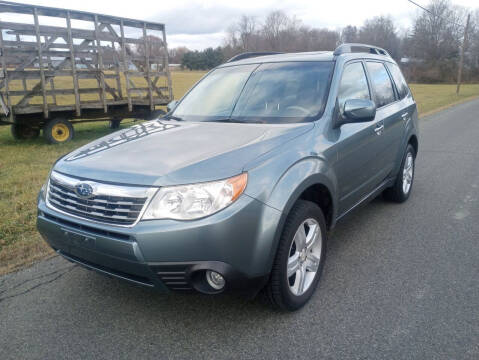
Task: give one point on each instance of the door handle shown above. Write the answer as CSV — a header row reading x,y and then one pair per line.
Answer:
x,y
405,116
379,129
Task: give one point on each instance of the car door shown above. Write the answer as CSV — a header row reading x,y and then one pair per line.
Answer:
x,y
357,144
405,108
388,114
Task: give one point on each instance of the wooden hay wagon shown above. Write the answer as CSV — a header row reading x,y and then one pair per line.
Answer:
x,y
59,66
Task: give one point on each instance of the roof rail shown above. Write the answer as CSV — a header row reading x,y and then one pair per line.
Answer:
x,y
247,55
364,48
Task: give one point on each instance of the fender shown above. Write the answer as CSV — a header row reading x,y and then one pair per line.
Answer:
x,y
303,174
409,132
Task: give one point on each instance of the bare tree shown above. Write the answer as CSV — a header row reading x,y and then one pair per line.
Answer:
x,y
274,27
176,54
382,32
349,34
246,30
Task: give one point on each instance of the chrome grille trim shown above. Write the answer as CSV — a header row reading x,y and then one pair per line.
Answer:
x,y
110,204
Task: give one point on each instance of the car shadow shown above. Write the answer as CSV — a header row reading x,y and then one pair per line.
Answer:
x,y
204,308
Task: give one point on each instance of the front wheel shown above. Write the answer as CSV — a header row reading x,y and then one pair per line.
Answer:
x,y
300,257
402,187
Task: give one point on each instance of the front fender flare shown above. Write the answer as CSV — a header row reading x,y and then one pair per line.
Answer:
x,y
300,176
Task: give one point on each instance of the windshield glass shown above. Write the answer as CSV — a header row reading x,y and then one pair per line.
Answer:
x,y
266,93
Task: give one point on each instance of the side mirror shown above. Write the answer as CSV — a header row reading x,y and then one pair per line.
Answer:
x,y
358,110
171,106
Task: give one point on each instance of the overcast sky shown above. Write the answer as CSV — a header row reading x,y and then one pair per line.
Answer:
x,y
199,24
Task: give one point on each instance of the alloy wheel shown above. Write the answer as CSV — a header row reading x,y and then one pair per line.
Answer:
x,y
304,256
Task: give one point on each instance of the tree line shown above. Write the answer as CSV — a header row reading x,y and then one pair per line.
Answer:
x,y
427,52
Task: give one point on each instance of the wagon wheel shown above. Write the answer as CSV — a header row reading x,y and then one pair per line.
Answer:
x,y
24,132
58,131
114,123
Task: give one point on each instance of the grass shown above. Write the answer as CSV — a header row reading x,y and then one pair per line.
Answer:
x,y
432,98
24,167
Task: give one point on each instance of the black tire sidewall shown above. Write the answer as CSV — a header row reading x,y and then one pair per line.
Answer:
x,y
399,182
300,212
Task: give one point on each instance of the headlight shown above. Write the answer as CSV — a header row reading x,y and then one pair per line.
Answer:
x,y
187,202
44,189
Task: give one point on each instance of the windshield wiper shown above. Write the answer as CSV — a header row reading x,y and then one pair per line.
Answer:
x,y
232,120
171,117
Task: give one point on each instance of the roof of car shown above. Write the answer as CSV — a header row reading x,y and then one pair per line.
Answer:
x,y
300,56
303,56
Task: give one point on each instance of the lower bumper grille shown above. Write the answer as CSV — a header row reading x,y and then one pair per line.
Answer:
x,y
173,276
140,280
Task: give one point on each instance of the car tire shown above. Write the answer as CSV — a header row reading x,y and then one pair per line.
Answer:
x,y
402,187
287,289
58,131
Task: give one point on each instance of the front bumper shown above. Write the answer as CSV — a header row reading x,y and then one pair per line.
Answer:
x,y
237,242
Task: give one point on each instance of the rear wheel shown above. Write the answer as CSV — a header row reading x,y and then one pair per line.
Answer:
x,y
58,131
402,187
24,132
114,124
300,257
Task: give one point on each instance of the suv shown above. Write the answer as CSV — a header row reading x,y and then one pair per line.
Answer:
x,y
237,187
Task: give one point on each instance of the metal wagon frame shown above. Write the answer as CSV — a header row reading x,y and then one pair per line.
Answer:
x,y
125,59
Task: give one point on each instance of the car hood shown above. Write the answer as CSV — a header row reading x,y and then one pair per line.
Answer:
x,y
161,152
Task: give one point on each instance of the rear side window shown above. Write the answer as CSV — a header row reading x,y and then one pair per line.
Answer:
x,y
354,84
383,88
399,80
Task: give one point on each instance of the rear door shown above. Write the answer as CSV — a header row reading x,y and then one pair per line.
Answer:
x,y
406,107
388,117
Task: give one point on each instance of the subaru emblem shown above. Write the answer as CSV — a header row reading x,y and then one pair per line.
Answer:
x,y
84,190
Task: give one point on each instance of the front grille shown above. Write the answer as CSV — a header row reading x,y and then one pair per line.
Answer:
x,y
101,207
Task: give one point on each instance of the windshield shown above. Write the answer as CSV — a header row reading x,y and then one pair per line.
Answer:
x,y
267,93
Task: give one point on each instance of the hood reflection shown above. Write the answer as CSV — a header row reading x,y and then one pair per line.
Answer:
x,y
133,133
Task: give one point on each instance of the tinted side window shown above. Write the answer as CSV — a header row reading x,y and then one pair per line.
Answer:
x,y
354,84
401,84
381,82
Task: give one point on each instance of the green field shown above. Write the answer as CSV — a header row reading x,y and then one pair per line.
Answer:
x,y
25,165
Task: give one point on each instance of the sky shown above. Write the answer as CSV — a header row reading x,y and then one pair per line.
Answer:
x,y
200,24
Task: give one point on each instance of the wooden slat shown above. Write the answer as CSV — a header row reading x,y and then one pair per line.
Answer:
x,y
52,80
117,73
73,64
147,66
100,64
167,66
24,81
40,62
31,45
125,65
28,29
5,74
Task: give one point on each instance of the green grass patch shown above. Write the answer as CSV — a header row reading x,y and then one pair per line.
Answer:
x,y
433,97
24,167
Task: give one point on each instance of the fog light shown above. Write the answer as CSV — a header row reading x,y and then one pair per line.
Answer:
x,y
215,280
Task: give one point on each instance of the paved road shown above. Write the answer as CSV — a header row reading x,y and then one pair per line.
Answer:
x,y
400,282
